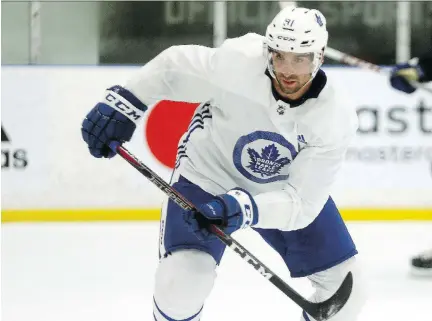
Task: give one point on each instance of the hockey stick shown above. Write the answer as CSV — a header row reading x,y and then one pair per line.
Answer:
x,y
354,61
357,62
320,311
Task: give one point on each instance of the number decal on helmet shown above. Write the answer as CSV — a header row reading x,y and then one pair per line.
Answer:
x,y
288,24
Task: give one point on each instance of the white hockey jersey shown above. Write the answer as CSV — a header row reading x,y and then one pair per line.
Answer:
x,y
242,136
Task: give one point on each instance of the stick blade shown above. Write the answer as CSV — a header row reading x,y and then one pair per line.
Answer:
x,y
324,310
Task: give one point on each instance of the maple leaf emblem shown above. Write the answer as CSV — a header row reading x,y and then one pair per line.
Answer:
x,y
268,162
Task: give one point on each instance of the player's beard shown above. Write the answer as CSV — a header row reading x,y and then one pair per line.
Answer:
x,y
299,83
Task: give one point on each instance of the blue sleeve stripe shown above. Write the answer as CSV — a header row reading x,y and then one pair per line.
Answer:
x,y
197,122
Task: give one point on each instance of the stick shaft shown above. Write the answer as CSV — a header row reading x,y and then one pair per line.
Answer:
x,y
354,61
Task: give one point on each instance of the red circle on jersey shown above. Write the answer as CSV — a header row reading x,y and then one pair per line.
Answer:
x,y
166,123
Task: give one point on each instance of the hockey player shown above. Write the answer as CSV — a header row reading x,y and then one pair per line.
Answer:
x,y
262,151
420,70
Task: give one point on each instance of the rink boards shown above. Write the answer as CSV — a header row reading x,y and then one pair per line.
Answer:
x,y
48,174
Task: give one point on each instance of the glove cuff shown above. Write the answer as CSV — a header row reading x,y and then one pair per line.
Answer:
x,y
123,101
247,206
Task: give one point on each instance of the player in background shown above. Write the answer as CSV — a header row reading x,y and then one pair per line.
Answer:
x,y
419,70
262,151
416,69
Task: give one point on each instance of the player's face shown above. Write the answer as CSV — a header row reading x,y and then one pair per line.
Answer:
x,y
292,70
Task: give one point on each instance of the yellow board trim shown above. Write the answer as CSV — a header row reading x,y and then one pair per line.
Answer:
x,y
387,214
80,215
97,215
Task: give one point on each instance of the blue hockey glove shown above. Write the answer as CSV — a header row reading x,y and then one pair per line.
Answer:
x,y
403,74
113,119
231,211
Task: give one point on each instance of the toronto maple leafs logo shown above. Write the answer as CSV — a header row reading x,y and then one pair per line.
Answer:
x,y
268,163
262,156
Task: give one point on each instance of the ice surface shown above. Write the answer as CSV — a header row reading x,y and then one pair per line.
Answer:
x,y
104,272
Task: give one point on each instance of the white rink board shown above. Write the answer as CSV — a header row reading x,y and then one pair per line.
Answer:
x,y
43,107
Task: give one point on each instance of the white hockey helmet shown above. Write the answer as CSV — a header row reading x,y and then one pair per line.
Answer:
x,y
298,30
